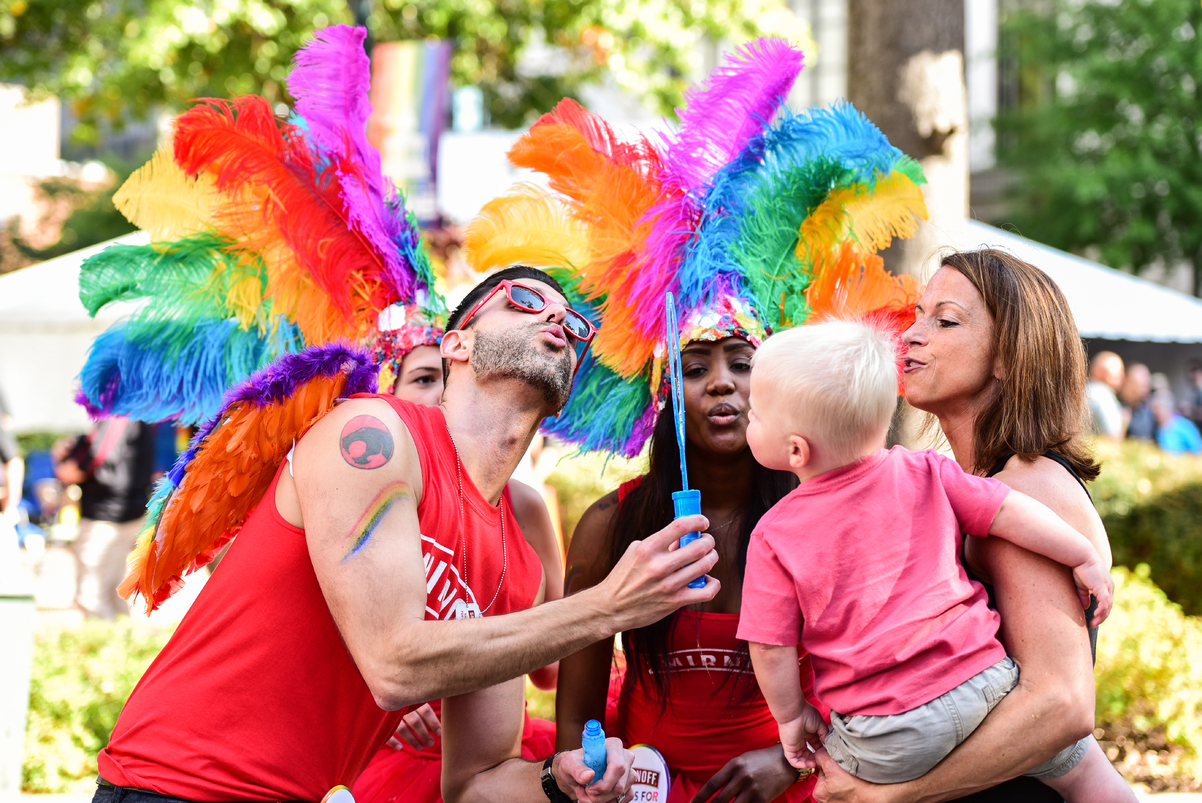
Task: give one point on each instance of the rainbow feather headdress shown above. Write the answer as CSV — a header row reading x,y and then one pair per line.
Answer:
x,y
756,217
268,235
275,244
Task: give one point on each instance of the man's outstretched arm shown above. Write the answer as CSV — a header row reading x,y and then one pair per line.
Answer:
x,y
358,484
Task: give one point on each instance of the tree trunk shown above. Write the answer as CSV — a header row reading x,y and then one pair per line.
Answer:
x,y
906,72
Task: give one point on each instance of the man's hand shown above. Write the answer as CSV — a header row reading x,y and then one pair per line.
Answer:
x,y
757,776
575,779
651,580
418,729
801,736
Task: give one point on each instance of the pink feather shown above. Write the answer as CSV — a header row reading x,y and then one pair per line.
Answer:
x,y
330,81
735,103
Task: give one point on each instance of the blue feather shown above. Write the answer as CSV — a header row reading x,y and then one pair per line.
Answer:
x,y
156,372
606,412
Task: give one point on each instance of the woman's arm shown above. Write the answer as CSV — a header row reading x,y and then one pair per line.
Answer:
x,y
1024,521
584,676
532,516
1043,630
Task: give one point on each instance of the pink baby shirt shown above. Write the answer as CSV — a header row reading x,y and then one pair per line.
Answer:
x,y
867,554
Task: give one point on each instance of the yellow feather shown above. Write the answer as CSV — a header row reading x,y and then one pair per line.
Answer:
x,y
528,227
161,199
892,209
823,228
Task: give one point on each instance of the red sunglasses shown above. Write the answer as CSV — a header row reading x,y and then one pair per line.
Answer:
x,y
528,299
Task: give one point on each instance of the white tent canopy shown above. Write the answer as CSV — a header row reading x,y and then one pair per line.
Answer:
x,y
45,333
1106,303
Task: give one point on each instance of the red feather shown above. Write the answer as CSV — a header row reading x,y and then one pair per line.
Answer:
x,y
282,205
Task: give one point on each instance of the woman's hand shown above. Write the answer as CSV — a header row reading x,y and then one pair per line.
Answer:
x,y
754,777
1092,577
417,729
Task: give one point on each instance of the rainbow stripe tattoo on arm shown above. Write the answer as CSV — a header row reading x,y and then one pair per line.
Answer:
x,y
369,522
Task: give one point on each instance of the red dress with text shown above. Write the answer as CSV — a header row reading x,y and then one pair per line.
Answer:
x,y
715,710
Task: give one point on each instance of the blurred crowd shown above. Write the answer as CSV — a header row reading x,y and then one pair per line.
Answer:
x,y
1129,401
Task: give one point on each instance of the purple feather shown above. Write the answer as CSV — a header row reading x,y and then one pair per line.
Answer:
x,y
94,413
276,382
331,82
673,223
735,102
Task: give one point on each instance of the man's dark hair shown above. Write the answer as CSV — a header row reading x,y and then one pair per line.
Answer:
x,y
485,287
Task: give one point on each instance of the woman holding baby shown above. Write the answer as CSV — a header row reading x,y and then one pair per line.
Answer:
x,y
994,356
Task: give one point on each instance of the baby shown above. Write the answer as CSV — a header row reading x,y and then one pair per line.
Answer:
x,y
860,565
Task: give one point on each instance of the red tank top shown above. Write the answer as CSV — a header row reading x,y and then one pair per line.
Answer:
x,y
712,715
255,697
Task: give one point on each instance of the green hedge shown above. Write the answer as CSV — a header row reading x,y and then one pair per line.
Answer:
x,y
1149,686
1151,504
82,677
39,441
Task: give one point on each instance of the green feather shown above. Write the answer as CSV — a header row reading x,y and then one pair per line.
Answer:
x,y
767,242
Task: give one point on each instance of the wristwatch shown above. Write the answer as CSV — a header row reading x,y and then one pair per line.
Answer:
x,y
550,786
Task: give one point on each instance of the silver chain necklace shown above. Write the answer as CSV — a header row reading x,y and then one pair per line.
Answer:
x,y
504,549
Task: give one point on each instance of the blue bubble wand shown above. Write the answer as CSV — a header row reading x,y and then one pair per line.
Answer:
x,y
685,502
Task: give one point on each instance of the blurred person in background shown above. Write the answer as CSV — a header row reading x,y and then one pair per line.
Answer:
x,y
1105,380
1193,399
12,475
1134,396
1174,432
112,465
12,470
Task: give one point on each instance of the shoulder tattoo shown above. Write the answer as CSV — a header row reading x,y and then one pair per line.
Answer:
x,y
366,443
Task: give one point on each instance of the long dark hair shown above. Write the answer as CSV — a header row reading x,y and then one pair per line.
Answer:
x,y
648,508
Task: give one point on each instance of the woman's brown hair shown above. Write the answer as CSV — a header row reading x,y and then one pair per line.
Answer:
x,y
1041,404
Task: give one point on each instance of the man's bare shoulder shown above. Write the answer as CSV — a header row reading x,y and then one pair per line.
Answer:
x,y
361,440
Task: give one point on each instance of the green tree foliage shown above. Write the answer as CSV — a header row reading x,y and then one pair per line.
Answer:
x,y
112,59
1105,138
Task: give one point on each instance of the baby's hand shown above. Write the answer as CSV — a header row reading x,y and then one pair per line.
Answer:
x,y
1091,577
800,737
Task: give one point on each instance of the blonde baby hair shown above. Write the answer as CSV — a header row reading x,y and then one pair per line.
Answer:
x,y
836,380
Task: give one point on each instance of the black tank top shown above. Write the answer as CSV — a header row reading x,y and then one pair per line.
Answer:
x,y
1022,788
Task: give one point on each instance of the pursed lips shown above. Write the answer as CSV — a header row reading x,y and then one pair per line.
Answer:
x,y
723,414
555,334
